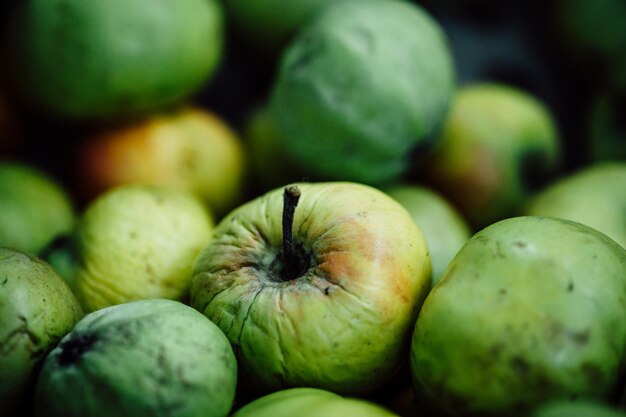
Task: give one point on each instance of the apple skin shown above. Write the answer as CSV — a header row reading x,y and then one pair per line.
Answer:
x,y
529,311
86,60
363,85
594,196
145,358
345,323
189,149
36,310
136,242
498,145
578,409
34,208
310,402
443,227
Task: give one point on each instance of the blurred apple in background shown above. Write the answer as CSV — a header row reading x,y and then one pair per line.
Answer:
x,y
36,310
530,310
135,242
327,300
92,60
578,409
594,196
34,208
443,227
189,149
499,144
362,87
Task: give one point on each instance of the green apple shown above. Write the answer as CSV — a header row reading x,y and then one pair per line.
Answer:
x,y
578,409
310,402
326,298
135,242
594,196
145,358
499,145
34,208
529,311
363,87
89,59
36,310
443,227
270,23
190,149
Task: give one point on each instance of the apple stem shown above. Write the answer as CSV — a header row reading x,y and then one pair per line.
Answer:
x,y
291,196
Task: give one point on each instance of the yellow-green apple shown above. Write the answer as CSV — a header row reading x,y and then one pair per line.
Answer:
x,y
34,208
325,297
530,310
310,402
443,227
136,242
144,358
594,196
190,149
92,60
362,89
36,310
499,144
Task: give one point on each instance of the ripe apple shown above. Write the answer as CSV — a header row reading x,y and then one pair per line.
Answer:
x,y
594,196
499,144
34,208
443,227
190,149
578,409
530,310
310,402
324,299
137,242
36,310
144,358
363,86
90,59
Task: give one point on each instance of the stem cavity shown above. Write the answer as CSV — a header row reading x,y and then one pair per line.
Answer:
x,y
291,196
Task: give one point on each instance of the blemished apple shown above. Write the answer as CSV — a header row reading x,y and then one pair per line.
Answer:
x,y
362,89
136,242
594,196
578,409
140,359
499,145
443,227
37,309
34,208
531,310
189,149
326,297
89,59
310,402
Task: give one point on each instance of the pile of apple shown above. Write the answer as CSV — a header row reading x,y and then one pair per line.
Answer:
x,y
379,241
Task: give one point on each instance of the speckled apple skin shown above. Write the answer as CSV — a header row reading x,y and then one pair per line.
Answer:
x,y
36,310
345,323
145,358
530,310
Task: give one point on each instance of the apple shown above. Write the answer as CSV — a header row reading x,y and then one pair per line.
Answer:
x,y
89,59
145,358
594,196
190,149
310,402
530,310
578,409
499,144
362,88
36,310
443,227
34,208
324,297
136,242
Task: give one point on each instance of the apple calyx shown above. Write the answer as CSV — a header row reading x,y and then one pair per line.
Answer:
x,y
73,349
292,265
